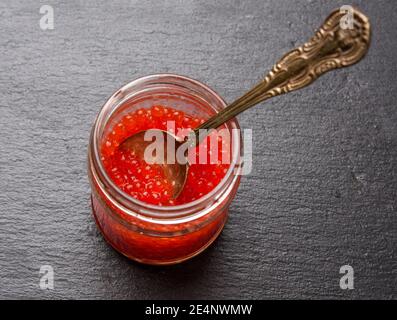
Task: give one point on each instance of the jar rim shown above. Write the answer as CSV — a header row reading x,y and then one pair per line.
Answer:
x,y
150,210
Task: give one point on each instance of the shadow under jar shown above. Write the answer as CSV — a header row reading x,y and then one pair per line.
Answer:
x,y
148,233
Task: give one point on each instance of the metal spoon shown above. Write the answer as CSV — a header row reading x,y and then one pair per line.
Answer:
x,y
338,43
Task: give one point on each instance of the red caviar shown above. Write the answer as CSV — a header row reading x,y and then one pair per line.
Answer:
x,y
147,182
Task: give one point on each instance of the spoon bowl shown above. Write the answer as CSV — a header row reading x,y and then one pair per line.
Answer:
x,y
140,144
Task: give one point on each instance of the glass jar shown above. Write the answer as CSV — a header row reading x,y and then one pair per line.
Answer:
x,y
148,233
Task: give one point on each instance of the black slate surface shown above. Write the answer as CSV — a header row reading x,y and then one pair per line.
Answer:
x,y
322,193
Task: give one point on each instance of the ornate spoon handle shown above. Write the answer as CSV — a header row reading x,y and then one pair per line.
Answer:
x,y
331,47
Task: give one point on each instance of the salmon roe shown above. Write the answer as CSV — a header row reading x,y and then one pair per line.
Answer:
x,y
147,182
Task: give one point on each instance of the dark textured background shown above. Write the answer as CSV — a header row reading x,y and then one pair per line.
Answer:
x,y
323,188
